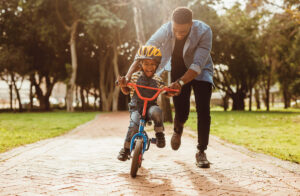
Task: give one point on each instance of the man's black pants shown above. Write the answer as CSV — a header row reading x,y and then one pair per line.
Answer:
x,y
202,91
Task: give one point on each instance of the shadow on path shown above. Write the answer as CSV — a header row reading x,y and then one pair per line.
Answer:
x,y
147,183
217,185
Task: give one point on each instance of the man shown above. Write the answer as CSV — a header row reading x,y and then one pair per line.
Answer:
x,y
185,45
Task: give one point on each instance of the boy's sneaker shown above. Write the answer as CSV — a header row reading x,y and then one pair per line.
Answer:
x,y
124,154
201,160
160,140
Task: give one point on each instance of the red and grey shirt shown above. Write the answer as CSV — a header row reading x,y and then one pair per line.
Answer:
x,y
139,78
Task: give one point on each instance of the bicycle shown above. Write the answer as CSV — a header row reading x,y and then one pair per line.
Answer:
x,y
140,141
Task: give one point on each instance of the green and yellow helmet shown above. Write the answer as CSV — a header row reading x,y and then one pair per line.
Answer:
x,y
149,52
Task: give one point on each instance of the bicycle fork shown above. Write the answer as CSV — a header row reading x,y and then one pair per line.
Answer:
x,y
140,134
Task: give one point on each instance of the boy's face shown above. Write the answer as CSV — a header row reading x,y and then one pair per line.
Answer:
x,y
149,67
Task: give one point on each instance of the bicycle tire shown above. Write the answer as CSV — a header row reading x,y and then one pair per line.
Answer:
x,y
136,161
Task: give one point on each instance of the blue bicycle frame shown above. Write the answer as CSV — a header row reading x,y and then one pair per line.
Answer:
x,y
140,134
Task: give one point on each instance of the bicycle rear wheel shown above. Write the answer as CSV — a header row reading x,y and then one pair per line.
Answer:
x,y
136,161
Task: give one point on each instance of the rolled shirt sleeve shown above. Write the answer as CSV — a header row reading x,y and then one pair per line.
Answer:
x,y
202,52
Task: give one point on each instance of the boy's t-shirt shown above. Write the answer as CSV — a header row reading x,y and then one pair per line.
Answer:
x,y
139,78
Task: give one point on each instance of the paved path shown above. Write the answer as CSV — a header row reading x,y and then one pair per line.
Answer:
x,y
84,162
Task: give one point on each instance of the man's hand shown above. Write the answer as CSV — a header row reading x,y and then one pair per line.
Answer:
x,y
174,85
122,80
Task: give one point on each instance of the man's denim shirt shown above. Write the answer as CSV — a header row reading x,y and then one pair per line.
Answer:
x,y
196,51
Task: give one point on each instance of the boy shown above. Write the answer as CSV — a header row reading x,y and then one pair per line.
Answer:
x,y
149,57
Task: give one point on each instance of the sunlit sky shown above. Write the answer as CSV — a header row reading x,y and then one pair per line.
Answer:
x,y
230,3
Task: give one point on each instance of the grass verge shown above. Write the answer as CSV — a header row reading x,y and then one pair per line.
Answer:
x,y
17,129
276,133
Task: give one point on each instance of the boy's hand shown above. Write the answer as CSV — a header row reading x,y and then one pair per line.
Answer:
x,y
174,85
122,81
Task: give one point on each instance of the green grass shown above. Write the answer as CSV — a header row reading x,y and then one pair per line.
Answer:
x,y
273,133
24,128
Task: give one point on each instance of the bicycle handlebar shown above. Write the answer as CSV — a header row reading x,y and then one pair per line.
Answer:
x,y
146,99
159,90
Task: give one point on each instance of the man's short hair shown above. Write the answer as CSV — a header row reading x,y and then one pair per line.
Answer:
x,y
182,15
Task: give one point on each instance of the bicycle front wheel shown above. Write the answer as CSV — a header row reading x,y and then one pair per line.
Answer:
x,y
136,161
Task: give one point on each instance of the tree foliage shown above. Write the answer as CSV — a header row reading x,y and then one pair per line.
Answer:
x,y
251,48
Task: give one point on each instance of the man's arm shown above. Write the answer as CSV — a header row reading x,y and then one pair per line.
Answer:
x,y
159,36
133,68
201,55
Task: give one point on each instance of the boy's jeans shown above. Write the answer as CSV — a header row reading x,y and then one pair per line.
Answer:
x,y
154,113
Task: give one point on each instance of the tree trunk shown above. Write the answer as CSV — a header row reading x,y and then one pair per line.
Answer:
x,y
138,22
123,101
104,83
238,101
267,102
31,95
43,99
257,98
47,103
225,101
268,94
82,99
71,85
73,34
166,108
100,102
17,92
286,98
38,91
165,102
76,96
116,91
11,96
87,98
250,100
95,99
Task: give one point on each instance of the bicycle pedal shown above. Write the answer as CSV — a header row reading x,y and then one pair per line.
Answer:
x,y
153,140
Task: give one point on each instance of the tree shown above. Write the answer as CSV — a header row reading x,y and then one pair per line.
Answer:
x,y
45,45
13,61
278,46
101,22
286,53
13,66
268,76
237,54
74,17
88,71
